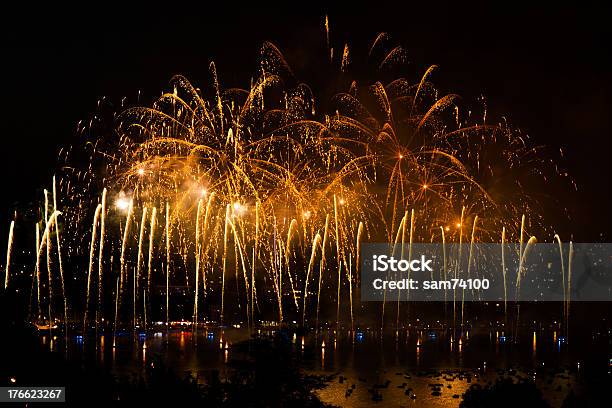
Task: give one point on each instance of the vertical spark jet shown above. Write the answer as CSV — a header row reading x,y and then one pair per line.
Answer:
x,y
568,295
444,268
358,249
521,271
167,266
469,265
41,243
59,260
558,239
401,232
255,254
292,228
227,215
116,313
100,308
150,260
316,241
204,238
503,256
92,246
37,270
122,270
322,268
136,283
197,267
339,262
9,249
358,259
47,239
458,266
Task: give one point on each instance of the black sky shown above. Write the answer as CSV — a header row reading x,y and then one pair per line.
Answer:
x,y
547,69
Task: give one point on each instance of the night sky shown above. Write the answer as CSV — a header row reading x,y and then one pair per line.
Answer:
x,y
547,70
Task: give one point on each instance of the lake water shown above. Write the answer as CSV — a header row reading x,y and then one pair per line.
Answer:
x,y
417,366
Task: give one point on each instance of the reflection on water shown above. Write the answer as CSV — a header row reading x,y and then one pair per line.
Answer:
x,y
428,367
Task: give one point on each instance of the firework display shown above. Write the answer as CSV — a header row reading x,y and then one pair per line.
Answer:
x,y
271,209
255,201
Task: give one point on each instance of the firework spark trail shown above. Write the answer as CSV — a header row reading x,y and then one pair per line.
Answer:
x,y
227,215
350,283
558,239
92,246
206,235
137,277
197,266
330,50
150,260
322,267
457,269
9,250
410,242
519,276
292,228
569,288
521,238
124,241
566,285
358,250
345,58
469,265
238,246
37,269
46,209
337,232
43,242
168,266
444,271
503,259
316,242
116,312
401,231
255,256
47,238
277,272
100,308
521,268
60,262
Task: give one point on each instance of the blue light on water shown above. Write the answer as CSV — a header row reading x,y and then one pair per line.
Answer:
x,y
359,336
